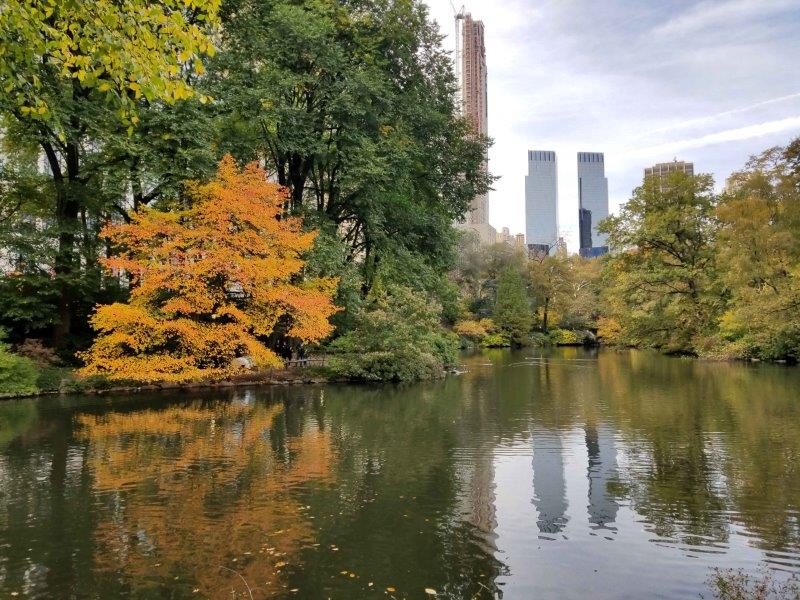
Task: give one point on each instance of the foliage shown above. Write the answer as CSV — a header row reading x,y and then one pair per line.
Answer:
x,y
580,304
122,50
38,352
660,279
398,337
330,256
352,107
730,584
564,337
209,284
18,375
83,83
483,333
759,256
512,311
549,285
609,330
473,331
540,340
496,340
563,290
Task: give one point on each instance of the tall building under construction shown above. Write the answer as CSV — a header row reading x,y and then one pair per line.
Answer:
x,y
471,71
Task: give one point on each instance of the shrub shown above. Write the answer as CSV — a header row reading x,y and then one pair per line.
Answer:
x,y
565,337
729,584
540,340
18,374
38,352
397,337
496,340
470,330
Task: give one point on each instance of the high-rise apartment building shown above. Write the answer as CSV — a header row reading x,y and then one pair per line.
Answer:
x,y
541,201
663,169
471,67
593,202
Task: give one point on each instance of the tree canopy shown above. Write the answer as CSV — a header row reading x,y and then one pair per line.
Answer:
x,y
660,279
209,284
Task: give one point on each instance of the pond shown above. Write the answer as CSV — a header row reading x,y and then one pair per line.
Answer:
x,y
546,474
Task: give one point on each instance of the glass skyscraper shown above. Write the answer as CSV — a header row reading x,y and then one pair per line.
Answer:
x,y
541,200
593,199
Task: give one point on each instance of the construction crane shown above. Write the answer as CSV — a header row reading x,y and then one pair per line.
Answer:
x,y
458,17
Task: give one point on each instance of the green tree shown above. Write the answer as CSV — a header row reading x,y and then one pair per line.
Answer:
x,y
352,107
548,282
759,257
479,269
398,336
660,279
582,304
72,73
512,312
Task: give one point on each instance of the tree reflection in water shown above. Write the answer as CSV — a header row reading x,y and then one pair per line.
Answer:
x,y
199,494
326,489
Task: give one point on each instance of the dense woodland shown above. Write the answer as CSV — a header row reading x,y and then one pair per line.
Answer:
x,y
184,184
112,112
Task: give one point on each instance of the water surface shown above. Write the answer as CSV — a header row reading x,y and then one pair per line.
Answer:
x,y
563,474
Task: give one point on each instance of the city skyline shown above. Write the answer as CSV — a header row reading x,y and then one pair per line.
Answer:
x,y
718,85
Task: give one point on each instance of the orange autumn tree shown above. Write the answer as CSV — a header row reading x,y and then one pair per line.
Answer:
x,y
209,284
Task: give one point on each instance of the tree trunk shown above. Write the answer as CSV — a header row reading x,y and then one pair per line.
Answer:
x,y
546,309
67,212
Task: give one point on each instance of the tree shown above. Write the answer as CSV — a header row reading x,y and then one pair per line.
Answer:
x,y
479,269
512,312
759,257
547,278
71,72
397,337
582,302
661,276
209,284
352,107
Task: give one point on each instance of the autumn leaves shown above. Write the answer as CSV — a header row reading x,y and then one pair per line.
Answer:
x,y
209,285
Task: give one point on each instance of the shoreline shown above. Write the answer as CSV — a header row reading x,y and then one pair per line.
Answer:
x,y
294,376
264,379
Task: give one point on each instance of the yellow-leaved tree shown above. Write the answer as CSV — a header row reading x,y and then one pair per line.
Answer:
x,y
209,284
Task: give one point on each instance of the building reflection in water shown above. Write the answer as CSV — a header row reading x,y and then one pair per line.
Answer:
x,y
601,472
549,486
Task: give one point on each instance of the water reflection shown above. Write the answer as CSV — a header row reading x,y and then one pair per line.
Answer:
x,y
549,487
562,474
601,473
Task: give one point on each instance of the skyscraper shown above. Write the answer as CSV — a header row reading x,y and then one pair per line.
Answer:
x,y
663,169
471,69
593,197
541,201
585,227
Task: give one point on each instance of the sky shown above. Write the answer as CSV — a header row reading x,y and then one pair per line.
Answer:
x,y
644,81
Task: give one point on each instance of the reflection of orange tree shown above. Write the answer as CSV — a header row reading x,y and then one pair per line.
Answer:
x,y
192,492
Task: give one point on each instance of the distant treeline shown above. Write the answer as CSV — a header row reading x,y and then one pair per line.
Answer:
x,y
690,271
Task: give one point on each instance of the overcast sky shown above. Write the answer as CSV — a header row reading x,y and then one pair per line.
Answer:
x,y
643,81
